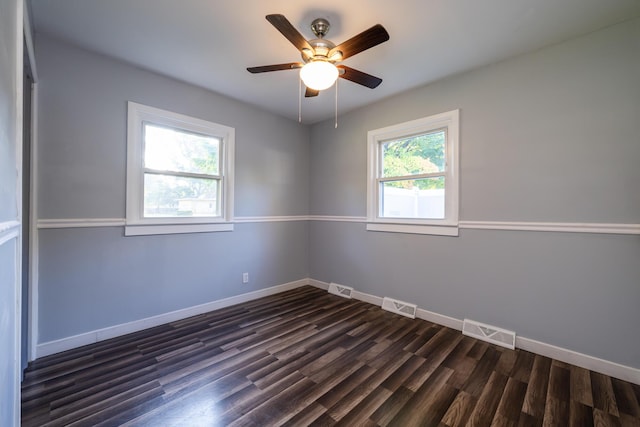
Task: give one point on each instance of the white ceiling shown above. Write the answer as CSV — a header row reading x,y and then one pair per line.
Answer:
x,y
210,43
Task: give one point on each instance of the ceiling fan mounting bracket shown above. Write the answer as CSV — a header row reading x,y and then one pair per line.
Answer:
x,y
320,27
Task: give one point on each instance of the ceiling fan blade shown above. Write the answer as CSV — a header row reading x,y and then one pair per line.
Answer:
x,y
359,77
283,25
363,41
311,92
275,67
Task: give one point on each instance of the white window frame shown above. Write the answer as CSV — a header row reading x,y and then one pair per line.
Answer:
x,y
448,226
136,223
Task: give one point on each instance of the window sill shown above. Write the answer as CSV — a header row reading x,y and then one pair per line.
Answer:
x,y
437,230
146,230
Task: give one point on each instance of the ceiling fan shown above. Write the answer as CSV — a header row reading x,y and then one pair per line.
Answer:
x,y
320,56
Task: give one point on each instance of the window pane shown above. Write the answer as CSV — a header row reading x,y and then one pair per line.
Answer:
x,y
419,198
416,155
171,196
180,151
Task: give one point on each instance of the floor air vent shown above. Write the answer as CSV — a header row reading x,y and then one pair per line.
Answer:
x,y
489,333
341,291
399,307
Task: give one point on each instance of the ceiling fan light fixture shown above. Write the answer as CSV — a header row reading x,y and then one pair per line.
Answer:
x,y
319,75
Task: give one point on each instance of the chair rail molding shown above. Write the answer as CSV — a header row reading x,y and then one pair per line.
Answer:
x,y
555,227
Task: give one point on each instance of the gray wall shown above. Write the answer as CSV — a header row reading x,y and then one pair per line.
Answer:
x,y
552,136
9,258
92,278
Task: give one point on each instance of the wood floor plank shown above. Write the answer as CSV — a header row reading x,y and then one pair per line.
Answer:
x,y
625,398
338,392
459,353
307,416
278,408
460,410
480,375
362,390
429,403
580,415
361,412
603,395
557,402
556,412
392,406
602,418
488,401
581,386
462,371
511,402
238,407
418,340
522,366
536,395
400,375
306,357
506,362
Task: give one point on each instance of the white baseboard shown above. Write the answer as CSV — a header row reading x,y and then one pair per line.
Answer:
x,y
440,319
68,343
616,370
371,299
592,363
318,284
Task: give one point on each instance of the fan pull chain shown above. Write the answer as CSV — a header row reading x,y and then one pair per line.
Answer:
x,y
300,101
336,125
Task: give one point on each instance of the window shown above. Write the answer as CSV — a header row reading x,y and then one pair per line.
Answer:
x,y
413,176
179,173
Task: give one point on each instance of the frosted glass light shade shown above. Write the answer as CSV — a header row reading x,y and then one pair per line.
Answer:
x,y
319,75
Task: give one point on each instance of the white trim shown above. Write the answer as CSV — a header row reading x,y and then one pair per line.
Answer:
x,y
440,319
33,229
423,314
613,369
91,337
334,218
556,227
147,230
14,236
371,299
319,284
591,363
606,367
81,222
16,230
9,230
449,120
251,219
137,115
565,227
439,230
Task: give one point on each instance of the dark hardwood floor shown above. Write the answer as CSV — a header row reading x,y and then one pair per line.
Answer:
x,y
305,357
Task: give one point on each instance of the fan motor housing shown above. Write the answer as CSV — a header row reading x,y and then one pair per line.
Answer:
x,y
321,48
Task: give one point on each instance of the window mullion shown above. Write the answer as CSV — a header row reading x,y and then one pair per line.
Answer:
x,y
412,177
182,174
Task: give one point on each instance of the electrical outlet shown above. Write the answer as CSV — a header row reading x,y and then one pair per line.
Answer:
x,y
245,277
